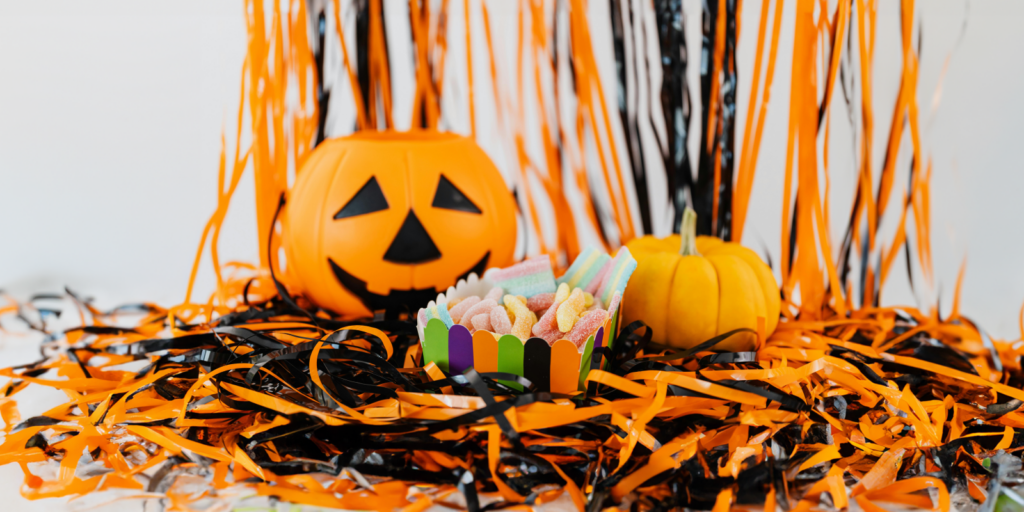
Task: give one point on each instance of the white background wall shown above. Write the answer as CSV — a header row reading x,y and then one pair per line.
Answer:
x,y
111,114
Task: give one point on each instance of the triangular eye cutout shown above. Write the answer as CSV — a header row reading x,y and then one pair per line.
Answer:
x,y
451,198
369,199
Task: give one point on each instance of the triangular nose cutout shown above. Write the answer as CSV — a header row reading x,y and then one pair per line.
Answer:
x,y
412,244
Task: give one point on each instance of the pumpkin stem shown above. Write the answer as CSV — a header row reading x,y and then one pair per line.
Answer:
x,y
688,233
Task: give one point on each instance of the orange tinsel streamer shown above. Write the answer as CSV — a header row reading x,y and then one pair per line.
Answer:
x,y
248,394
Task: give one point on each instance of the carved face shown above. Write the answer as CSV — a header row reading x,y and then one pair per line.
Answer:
x,y
386,219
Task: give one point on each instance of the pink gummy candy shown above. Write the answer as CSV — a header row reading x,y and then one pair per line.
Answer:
x,y
540,302
614,302
547,322
526,267
551,336
481,307
495,294
482,322
500,321
421,318
586,326
458,310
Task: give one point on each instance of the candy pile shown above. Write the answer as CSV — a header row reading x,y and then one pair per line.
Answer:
x,y
525,300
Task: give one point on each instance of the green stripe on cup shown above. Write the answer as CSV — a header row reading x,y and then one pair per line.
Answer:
x,y
435,344
588,350
510,358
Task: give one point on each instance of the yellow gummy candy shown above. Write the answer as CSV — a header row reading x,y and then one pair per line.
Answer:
x,y
521,299
588,299
562,293
524,318
569,310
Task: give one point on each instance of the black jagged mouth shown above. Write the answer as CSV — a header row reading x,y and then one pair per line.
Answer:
x,y
396,299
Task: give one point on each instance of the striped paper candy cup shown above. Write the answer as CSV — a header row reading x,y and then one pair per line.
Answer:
x,y
559,368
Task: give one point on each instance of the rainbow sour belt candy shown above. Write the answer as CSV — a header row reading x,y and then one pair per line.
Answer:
x,y
585,268
528,278
622,267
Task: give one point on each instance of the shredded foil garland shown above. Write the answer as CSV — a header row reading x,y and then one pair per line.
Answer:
x,y
847,404
882,406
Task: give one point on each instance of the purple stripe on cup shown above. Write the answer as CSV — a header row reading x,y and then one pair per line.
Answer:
x,y
460,349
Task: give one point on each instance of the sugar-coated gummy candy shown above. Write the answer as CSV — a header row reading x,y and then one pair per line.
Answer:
x,y
481,307
599,278
550,335
512,312
586,326
547,321
569,310
522,330
528,277
588,300
524,323
540,302
614,303
495,294
622,267
421,318
460,309
482,322
500,321
585,268
442,315
562,293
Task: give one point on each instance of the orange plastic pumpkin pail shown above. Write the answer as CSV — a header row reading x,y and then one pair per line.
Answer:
x,y
381,220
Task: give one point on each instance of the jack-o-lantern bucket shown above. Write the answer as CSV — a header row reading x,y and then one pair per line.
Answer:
x,y
381,220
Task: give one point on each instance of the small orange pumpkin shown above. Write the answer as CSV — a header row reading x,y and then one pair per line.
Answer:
x,y
690,288
381,220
